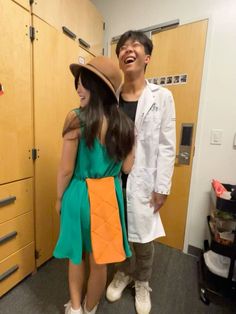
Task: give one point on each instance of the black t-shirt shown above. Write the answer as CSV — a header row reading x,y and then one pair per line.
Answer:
x,y
130,108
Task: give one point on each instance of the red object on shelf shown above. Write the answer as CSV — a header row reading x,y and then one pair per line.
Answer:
x,y
218,187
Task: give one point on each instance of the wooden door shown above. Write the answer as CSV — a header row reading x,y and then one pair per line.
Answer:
x,y
50,11
90,27
54,97
16,139
79,16
24,3
178,54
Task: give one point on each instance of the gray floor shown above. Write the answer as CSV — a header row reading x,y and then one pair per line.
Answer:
x,y
174,284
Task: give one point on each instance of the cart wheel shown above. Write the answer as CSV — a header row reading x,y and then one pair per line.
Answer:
x,y
203,296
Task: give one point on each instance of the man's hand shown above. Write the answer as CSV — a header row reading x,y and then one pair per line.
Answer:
x,y
157,200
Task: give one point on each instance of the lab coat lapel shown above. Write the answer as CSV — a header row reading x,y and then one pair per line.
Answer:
x,y
145,102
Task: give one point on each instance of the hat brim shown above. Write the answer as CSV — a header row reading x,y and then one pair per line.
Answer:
x,y
74,68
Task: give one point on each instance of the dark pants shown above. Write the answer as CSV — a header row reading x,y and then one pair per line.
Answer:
x,y
139,266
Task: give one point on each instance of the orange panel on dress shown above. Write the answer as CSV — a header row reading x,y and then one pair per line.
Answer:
x,y
106,230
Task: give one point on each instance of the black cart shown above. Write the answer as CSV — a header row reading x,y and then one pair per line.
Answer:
x,y
211,286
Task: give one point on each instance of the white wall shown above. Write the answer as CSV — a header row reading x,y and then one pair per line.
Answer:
x,y
217,108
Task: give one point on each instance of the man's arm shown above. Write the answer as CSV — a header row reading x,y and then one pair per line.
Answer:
x,y
166,153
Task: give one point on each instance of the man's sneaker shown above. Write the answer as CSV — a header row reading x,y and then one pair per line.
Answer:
x,y
117,286
68,309
142,297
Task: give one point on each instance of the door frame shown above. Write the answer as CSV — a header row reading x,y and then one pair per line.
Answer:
x,y
188,248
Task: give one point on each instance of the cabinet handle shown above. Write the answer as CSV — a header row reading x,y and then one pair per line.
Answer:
x,y
84,43
8,237
68,32
9,272
7,200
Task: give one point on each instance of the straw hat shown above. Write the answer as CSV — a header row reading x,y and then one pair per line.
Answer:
x,y
103,67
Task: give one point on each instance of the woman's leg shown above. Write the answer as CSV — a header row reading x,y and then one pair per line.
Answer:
x,y
76,282
96,283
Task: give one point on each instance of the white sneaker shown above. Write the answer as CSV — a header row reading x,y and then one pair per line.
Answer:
x,y
142,297
117,286
67,307
69,310
93,311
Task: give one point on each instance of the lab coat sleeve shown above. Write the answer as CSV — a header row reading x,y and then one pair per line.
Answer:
x,y
166,146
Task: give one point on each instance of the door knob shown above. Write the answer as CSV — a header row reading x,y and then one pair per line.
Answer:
x,y
184,155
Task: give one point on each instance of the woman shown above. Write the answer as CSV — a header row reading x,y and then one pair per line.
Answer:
x,y
98,141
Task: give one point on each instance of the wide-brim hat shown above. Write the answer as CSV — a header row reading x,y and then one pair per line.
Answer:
x,y
104,68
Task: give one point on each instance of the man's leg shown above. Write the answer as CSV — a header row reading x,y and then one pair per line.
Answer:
x,y
144,253
122,278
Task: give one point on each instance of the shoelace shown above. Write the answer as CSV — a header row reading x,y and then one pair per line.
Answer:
x,y
142,291
118,279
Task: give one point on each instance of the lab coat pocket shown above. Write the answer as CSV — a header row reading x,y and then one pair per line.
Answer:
x,y
141,182
141,220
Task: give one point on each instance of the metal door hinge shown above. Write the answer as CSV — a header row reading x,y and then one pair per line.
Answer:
x,y
36,254
104,26
34,153
32,33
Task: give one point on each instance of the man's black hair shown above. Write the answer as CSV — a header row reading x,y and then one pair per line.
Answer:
x,y
135,36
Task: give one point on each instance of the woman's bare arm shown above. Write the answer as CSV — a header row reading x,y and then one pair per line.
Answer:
x,y
128,162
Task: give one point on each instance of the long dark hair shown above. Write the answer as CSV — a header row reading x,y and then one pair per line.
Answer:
x,y
119,138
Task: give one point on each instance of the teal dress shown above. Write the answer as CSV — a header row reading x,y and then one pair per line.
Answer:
x,y
74,237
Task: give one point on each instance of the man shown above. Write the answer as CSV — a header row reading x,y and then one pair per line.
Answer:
x,y
148,184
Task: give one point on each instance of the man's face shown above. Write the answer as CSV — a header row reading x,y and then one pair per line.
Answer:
x,y
132,57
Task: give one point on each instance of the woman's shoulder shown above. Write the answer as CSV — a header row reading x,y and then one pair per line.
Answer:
x,y
72,122
76,111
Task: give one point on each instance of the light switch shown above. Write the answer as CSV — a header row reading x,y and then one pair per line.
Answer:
x,y
216,137
234,142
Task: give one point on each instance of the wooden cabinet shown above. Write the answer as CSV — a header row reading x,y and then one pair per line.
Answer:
x,y
16,267
79,16
24,3
16,138
54,97
16,143
16,233
36,93
16,198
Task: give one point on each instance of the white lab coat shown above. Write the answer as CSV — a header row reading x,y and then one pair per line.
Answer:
x,y
154,162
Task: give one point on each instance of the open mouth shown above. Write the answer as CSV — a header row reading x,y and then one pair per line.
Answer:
x,y
129,60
